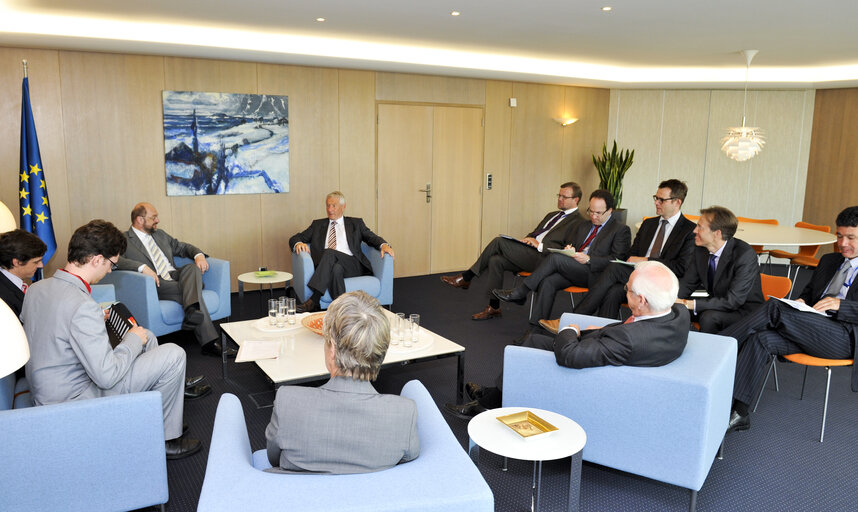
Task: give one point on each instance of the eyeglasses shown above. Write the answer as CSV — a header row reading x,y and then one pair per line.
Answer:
x,y
661,200
113,264
591,213
564,197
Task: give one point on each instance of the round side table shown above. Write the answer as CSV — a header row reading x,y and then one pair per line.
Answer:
x,y
252,278
486,432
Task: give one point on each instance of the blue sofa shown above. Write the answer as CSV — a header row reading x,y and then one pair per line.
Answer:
x,y
379,284
664,423
442,478
139,294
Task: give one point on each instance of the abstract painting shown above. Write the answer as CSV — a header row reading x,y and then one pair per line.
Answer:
x,y
217,143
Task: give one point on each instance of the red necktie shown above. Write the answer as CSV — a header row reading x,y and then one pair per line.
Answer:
x,y
630,319
24,287
589,238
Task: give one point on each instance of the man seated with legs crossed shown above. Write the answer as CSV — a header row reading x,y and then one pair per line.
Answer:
x,y
334,245
70,353
503,254
654,335
596,244
777,328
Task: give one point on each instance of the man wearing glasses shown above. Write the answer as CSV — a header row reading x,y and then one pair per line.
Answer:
x,y
668,238
596,244
553,231
70,353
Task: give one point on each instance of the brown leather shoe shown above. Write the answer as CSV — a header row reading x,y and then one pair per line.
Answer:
x,y
551,326
487,314
456,281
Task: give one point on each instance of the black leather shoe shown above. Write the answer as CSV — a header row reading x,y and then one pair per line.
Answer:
x,y
464,411
198,391
181,447
515,296
473,391
738,422
213,348
307,307
193,381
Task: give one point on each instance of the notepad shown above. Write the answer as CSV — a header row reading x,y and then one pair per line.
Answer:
x,y
257,350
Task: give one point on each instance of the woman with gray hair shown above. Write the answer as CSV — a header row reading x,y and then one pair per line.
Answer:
x,y
344,426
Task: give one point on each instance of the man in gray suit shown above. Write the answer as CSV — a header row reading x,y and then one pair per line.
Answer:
x,y
70,353
151,252
344,426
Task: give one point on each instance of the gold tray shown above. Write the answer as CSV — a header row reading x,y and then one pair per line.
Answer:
x,y
526,424
314,322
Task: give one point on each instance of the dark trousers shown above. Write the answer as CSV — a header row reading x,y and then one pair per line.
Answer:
x,y
502,255
778,329
607,293
555,273
186,288
713,321
493,397
332,270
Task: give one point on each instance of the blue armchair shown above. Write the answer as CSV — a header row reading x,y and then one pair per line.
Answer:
x,y
139,294
379,284
98,454
442,478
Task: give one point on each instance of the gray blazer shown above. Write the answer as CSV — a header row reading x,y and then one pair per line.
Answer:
x,y
70,355
344,426
136,253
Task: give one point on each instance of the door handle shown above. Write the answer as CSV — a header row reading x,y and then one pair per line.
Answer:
x,y
428,191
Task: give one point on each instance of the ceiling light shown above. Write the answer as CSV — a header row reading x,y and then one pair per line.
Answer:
x,y
744,142
607,8
455,13
320,20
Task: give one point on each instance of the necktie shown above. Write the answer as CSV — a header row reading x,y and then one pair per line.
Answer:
x,y
158,258
24,287
833,289
710,275
659,240
550,223
332,236
630,319
589,238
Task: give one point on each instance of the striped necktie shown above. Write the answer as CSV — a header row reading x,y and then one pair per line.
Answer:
x,y
332,236
162,268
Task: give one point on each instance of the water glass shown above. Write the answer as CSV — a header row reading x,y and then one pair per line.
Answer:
x,y
281,314
290,310
398,327
272,311
414,319
406,332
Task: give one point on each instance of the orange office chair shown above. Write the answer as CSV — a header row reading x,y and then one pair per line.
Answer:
x,y
806,255
572,290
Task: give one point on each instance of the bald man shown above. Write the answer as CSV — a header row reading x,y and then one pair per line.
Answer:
x,y
151,251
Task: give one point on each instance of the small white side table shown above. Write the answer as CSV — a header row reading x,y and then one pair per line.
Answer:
x,y
251,278
486,432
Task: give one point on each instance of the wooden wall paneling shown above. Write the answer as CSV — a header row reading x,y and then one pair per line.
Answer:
x,y
227,226
536,142
430,89
114,135
46,102
585,137
833,156
726,181
313,152
357,143
639,127
498,119
683,146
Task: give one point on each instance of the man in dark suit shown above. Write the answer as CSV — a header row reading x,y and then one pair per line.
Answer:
x,y
724,266
334,245
503,254
654,335
20,257
668,238
151,252
596,244
777,328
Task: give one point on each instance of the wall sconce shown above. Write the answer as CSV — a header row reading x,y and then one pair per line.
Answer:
x,y
565,121
7,220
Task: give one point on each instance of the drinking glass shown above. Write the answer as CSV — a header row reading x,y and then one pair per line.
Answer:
x,y
406,332
272,311
414,319
398,327
281,314
290,310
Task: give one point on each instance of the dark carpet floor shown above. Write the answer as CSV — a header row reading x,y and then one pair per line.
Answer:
x,y
778,464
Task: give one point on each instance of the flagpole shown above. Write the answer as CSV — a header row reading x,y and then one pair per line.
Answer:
x,y
24,62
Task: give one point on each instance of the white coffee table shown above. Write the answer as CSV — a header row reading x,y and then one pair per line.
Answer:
x,y
302,359
486,432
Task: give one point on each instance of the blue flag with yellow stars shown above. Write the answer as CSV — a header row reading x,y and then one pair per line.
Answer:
x,y
33,191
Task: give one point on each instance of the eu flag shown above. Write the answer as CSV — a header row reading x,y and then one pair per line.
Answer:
x,y
33,191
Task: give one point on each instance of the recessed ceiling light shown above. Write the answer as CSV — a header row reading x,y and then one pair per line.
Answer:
x,y
607,8
455,13
320,20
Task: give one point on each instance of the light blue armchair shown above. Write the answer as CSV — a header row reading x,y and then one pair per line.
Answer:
x,y
442,478
379,284
139,294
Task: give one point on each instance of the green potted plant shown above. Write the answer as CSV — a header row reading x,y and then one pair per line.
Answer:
x,y
612,168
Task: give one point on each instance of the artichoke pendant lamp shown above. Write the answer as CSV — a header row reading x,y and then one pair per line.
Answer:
x,y
744,142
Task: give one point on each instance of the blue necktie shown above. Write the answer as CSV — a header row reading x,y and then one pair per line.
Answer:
x,y
711,274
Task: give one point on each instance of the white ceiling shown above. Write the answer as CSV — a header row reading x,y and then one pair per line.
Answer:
x,y
640,43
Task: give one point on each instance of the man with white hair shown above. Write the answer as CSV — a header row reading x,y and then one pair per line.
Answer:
x,y
654,335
